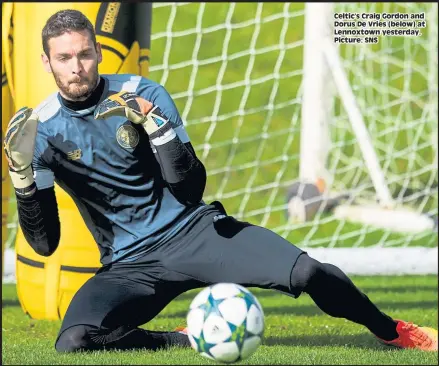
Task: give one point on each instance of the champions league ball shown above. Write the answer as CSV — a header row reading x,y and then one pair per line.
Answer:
x,y
225,323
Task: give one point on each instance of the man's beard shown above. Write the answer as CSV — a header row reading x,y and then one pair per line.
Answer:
x,y
78,89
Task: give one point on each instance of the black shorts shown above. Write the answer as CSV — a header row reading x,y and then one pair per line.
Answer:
x,y
211,249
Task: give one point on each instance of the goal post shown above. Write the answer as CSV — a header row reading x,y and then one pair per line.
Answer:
x,y
317,95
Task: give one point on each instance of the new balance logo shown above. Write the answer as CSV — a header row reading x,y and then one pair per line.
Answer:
x,y
74,155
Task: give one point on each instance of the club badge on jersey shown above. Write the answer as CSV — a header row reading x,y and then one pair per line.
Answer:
x,y
127,136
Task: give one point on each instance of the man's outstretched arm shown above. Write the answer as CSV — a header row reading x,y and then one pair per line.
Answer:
x,y
37,208
181,169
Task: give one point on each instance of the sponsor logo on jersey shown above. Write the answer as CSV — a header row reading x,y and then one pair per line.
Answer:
x,y
74,155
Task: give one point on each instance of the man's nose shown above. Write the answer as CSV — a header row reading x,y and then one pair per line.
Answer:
x,y
76,65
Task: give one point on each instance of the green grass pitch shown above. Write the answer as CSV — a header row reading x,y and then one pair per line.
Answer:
x,y
297,331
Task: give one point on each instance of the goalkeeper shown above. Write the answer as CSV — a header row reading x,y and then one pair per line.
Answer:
x,y
117,145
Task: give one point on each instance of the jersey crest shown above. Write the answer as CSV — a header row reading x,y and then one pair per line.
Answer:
x,y
127,136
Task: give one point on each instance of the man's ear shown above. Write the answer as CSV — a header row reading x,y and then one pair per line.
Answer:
x,y
99,52
46,62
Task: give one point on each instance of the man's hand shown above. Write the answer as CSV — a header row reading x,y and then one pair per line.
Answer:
x,y
19,145
135,109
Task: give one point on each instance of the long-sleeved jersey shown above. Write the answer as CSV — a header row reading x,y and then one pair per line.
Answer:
x,y
133,195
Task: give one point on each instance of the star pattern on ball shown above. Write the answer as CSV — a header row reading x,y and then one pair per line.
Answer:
x,y
230,324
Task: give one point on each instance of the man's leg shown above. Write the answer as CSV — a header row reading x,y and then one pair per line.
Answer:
x,y
336,295
106,311
231,251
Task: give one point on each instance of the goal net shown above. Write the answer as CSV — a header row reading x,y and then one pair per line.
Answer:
x,y
236,72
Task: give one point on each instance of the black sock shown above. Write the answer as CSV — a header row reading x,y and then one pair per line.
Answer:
x,y
142,338
335,294
90,338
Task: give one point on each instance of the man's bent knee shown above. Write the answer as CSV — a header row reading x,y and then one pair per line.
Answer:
x,y
76,338
306,271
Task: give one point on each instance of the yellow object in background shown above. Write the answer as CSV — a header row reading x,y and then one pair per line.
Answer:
x,y
46,285
7,113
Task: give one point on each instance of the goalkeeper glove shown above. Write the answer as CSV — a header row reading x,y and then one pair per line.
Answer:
x,y
19,144
135,109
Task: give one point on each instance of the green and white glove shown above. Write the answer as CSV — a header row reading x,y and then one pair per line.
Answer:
x,y
135,109
19,145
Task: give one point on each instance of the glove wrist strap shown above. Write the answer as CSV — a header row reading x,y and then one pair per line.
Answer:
x,y
164,134
22,179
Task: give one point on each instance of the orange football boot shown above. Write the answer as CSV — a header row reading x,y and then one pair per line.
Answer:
x,y
182,330
414,337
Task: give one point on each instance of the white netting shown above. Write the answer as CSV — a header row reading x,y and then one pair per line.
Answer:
x,y
395,84
235,72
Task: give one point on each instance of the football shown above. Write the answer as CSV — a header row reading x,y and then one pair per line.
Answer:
x,y
225,323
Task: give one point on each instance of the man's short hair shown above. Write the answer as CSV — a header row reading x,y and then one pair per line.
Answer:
x,y
66,21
